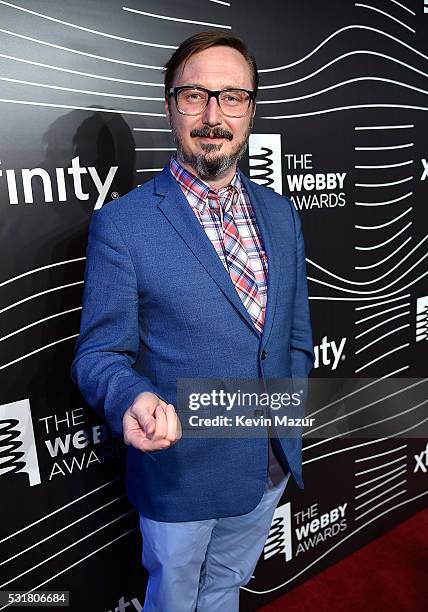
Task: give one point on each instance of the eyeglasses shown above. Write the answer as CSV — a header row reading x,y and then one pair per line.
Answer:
x,y
194,100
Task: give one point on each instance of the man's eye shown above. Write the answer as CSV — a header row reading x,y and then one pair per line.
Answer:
x,y
194,97
231,99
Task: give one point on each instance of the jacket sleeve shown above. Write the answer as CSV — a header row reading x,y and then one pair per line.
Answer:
x,y
107,346
301,345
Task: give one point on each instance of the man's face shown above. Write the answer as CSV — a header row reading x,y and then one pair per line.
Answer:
x,y
211,143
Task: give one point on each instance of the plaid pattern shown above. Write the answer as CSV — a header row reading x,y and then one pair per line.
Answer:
x,y
229,222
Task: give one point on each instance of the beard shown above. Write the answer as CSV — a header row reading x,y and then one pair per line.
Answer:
x,y
207,165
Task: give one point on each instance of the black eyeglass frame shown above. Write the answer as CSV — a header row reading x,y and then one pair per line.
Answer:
x,y
174,91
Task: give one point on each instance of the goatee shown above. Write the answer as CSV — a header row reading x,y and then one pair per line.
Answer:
x,y
209,166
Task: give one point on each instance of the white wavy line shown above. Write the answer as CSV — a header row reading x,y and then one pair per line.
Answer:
x,y
372,499
383,127
89,30
389,418
393,201
382,312
397,469
21,552
149,170
361,408
338,59
82,91
367,331
337,544
388,452
376,10
86,74
42,348
326,40
378,263
331,453
220,2
150,130
58,314
393,331
385,501
404,180
344,397
349,27
58,263
35,295
93,56
350,107
381,244
390,148
373,290
84,108
33,567
341,84
155,149
155,16
344,299
406,163
383,482
62,507
370,282
77,563
403,7
394,350
402,297
375,227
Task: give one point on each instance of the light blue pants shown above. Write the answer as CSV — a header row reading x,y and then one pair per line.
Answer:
x,y
200,565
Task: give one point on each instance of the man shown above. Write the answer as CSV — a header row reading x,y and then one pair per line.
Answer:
x,y
198,273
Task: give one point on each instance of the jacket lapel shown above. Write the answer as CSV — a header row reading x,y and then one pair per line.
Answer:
x,y
178,212
261,207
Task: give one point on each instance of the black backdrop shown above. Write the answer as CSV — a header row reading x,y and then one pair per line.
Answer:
x,y
341,128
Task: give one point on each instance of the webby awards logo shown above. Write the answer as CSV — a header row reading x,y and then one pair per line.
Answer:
x,y
309,528
68,443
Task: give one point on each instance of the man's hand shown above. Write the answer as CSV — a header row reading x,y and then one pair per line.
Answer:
x,y
151,424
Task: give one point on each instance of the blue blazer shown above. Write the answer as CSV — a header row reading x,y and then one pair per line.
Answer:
x,y
159,305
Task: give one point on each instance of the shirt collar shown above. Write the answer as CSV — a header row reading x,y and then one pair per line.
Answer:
x,y
204,194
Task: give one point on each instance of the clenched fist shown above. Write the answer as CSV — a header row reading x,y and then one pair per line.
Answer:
x,y
151,424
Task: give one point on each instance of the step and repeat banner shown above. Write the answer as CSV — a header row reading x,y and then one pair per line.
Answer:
x,y
341,129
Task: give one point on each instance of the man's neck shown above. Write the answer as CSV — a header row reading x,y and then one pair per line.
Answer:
x,y
216,183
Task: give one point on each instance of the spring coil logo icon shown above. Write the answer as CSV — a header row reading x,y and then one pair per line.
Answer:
x,y
265,160
17,444
422,318
262,172
9,456
279,538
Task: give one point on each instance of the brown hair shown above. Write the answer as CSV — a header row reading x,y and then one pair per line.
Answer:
x,y
205,40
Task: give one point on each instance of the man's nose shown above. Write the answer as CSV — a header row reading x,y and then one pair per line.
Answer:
x,y
212,114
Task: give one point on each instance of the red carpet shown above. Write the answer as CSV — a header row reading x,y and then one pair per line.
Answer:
x,y
389,574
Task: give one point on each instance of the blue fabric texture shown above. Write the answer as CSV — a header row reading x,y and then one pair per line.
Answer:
x,y
159,305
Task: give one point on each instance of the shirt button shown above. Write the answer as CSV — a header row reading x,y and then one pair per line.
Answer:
x,y
263,355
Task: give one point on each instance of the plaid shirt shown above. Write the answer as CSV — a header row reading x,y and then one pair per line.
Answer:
x,y
206,204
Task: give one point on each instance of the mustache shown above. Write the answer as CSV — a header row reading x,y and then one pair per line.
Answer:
x,y
207,132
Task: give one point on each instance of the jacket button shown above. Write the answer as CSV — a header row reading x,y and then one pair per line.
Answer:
x,y
263,355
